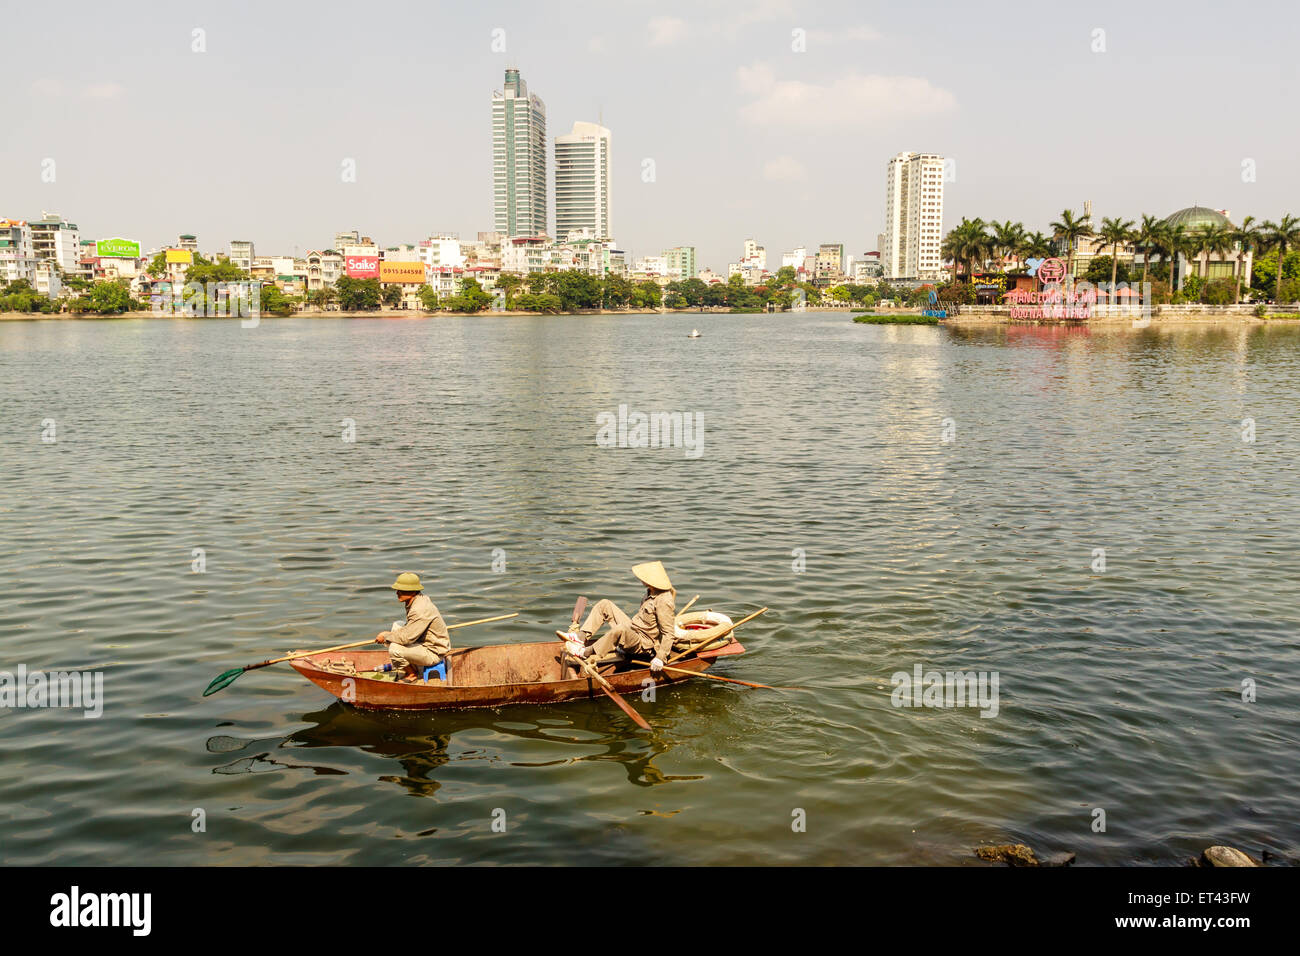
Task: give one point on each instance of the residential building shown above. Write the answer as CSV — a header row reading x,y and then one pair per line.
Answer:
x,y
56,240
442,250
518,159
828,269
867,269
680,262
323,269
913,217
17,259
795,258
341,239
582,170
47,281
188,242
242,254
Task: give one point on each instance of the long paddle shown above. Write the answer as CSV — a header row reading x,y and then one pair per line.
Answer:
x,y
230,676
688,606
729,680
579,606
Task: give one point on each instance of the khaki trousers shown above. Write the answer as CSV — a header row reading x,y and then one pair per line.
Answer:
x,y
416,655
620,634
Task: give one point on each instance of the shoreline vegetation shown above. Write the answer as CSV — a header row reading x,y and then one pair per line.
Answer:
x,y
999,316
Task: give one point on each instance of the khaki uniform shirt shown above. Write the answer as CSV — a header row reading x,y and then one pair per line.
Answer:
x,y
424,625
656,622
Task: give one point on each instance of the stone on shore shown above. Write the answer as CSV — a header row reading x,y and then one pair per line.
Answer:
x,y
1225,856
1012,854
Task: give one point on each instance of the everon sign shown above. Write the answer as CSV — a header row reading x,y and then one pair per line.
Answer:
x,y
409,273
117,248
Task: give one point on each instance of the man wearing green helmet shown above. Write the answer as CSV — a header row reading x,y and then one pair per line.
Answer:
x,y
423,640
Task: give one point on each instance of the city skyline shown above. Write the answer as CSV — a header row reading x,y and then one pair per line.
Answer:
x,y
775,123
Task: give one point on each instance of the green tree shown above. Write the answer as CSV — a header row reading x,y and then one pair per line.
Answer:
x,y
358,295
275,302
1147,238
1104,269
391,295
1246,237
471,298
1070,230
1114,232
1281,235
510,283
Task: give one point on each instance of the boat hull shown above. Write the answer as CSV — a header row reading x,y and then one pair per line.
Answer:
x,y
490,676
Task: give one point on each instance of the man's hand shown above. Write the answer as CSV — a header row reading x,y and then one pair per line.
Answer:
x,y
656,665
382,637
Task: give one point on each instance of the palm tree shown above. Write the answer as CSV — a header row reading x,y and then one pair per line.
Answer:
x,y
1006,240
1173,240
1035,245
1114,233
1213,240
1283,234
967,242
1071,230
1246,236
1147,238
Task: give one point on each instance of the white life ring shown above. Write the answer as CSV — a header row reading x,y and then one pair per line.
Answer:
x,y
695,626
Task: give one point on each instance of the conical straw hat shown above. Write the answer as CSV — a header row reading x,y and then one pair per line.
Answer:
x,y
653,574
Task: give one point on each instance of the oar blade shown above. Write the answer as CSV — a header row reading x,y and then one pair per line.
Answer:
x,y
222,680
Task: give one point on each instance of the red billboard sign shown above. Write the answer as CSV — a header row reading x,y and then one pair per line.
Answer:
x,y
362,267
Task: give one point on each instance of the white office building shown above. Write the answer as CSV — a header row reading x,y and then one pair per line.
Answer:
x,y
518,159
17,260
913,217
582,182
242,254
57,241
443,250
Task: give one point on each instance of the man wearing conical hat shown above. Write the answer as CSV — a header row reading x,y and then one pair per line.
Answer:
x,y
422,641
649,631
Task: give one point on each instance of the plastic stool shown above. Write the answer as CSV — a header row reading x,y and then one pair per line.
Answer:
x,y
440,669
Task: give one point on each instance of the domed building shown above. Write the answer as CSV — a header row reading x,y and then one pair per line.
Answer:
x,y
1216,265
1194,217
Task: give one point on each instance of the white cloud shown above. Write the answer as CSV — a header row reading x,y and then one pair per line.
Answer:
x,y
850,98
104,91
784,169
665,31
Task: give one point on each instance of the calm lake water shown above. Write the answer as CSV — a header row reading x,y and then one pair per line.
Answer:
x,y
824,447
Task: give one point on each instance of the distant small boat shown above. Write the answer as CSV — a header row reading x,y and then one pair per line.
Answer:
x,y
695,334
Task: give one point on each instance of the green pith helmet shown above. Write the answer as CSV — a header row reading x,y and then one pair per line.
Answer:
x,y
407,581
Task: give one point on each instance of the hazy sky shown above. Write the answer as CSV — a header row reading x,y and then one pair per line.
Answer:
x,y
748,137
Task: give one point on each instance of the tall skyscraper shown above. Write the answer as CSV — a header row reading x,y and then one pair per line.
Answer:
x,y
913,217
518,159
582,181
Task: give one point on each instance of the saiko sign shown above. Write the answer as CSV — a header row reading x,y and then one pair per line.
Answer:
x,y
362,267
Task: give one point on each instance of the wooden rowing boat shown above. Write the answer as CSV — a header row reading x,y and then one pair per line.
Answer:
x,y
492,676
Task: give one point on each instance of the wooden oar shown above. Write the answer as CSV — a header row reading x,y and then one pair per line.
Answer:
x,y
729,680
613,695
688,606
714,639
230,676
579,606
